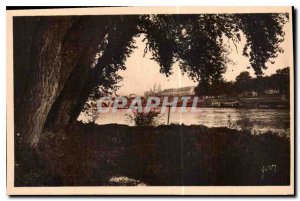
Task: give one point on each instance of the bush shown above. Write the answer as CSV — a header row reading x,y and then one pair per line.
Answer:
x,y
150,118
245,124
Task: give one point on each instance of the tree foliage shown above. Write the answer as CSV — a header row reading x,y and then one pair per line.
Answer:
x,y
197,42
264,33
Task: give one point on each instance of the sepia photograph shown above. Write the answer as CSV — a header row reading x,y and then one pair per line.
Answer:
x,y
150,101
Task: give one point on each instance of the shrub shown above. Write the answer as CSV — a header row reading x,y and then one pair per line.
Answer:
x,y
150,118
245,124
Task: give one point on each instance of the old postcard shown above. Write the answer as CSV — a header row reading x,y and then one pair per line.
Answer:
x,y
150,101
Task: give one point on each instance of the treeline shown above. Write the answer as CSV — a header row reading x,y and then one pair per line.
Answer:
x,y
278,82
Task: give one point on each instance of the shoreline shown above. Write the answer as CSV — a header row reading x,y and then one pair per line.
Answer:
x,y
166,155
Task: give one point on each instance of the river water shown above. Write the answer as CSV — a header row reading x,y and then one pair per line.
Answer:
x,y
277,120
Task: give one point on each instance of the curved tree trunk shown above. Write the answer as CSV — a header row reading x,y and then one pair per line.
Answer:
x,y
84,78
58,46
61,111
119,36
45,73
93,80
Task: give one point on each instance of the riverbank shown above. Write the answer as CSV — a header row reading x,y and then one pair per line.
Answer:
x,y
89,154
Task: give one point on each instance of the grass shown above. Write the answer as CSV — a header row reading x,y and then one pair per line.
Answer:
x,y
89,154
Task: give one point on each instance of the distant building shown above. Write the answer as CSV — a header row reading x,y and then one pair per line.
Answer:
x,y
271,91
249,94
183,91
156,89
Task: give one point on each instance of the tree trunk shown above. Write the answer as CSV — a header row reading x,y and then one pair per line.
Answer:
x,y
44,76
57,47
92,81
119,36
84,79
61,110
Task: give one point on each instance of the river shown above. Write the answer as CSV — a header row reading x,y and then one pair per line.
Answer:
x,y
277,120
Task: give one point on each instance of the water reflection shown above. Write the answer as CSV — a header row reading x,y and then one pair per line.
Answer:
x,y
277,120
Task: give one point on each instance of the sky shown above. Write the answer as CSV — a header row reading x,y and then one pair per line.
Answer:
x,y
142,73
